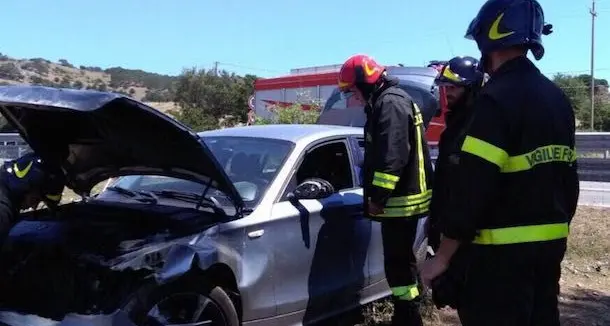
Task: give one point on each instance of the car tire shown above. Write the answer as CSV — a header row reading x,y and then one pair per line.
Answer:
x,y
148,296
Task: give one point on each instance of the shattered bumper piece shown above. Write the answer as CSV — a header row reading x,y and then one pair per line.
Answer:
x,y
118,318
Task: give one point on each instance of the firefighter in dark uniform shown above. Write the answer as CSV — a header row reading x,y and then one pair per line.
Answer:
x,y
516,182
397,175
24,183
461,79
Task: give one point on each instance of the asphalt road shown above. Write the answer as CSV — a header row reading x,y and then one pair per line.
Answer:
x,y
594,194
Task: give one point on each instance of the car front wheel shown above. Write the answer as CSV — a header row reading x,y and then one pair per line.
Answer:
x,y
187,302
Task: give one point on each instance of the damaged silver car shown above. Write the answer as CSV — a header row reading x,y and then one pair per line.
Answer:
x,y
223,228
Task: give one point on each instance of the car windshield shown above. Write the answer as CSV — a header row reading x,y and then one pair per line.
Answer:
x,y
251,164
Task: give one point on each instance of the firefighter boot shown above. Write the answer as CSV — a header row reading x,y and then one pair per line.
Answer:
x,y
406,313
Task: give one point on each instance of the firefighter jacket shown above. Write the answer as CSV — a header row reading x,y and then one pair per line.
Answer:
x,y
397,166
516,180
456,122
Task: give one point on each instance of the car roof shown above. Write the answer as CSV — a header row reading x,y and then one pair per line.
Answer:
x,y
289,132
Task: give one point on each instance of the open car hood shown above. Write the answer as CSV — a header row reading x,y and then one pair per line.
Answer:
x,y
95,135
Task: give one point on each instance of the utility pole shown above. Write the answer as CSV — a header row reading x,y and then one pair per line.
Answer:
x,y
216,66
593,15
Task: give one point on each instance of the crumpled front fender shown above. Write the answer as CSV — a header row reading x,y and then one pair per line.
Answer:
x,y
179,257
182,258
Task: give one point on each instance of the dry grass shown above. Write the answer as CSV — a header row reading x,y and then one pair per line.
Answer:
x,y
164,107
70,195
59,72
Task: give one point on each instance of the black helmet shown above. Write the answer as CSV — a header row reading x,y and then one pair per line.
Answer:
x,y
29,174
461,71
504,23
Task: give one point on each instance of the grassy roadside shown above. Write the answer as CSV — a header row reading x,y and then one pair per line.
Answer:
x,y
585,282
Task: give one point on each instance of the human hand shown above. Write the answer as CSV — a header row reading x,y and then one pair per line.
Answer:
x,y
375,209
431,269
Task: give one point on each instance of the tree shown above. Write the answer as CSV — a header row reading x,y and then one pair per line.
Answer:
x,y
206,98
578,90
65,63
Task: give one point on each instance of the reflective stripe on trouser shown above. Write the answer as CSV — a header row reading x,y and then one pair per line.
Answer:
x,y
408,292
522,234
399,260
523,162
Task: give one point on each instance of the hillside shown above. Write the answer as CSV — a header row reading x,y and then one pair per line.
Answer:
x,y
155,89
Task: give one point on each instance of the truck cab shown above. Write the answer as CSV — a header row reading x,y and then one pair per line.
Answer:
x,y
418,82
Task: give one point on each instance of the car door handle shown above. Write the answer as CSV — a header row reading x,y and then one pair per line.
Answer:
x,y
256,234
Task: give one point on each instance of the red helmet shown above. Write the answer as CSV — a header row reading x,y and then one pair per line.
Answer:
x,y
359,68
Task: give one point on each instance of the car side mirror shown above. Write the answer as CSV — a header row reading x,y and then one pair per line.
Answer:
x,y
314,188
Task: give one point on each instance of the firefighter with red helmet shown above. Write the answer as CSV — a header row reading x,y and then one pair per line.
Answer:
x,y
515,182
397,175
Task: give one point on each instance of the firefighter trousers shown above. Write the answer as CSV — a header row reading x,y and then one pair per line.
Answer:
x,y
401,269
512,285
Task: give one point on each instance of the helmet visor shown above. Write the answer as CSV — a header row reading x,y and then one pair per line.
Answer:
x,y
448,77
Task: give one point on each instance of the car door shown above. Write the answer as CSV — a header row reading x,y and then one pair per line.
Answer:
x,y
320,249
375,247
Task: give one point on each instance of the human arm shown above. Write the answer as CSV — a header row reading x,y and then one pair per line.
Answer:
x,y
476,178
7,213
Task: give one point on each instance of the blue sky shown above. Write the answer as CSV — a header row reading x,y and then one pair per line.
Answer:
x,y
269,37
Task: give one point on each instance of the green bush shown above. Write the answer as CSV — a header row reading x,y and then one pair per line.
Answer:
x,y
294,114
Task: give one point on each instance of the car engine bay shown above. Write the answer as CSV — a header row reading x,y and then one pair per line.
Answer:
x,y
88,258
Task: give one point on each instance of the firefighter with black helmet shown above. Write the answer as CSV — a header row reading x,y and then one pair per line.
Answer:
x,y
460,79
397,175
24,183
516,181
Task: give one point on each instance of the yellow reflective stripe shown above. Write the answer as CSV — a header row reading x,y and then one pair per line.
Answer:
x,y
410,199
408,292
22,173
449,74
541,155
522,234
420,150
385,180
403,211
523,162
485,150
54,197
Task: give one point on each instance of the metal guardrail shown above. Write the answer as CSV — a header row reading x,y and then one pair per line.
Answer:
x,y
593,150
12,146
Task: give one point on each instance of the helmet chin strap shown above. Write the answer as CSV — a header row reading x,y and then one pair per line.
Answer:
x,y
368,90
485,63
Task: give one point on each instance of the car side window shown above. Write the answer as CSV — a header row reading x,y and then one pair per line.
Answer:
x,y
361,146
329,162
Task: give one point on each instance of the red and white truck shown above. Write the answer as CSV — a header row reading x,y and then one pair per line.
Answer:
x,y
319,85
